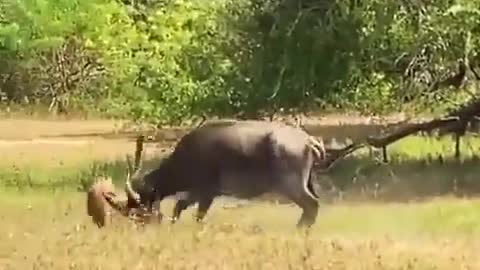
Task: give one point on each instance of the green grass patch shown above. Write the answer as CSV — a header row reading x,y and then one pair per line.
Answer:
x,y
421,147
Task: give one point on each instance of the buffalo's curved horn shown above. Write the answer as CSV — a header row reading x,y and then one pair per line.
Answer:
x,y
138,153
131,194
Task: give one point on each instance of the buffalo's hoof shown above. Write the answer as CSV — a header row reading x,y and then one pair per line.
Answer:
x,y
200,220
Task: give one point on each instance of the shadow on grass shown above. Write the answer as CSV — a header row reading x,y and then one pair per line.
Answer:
x,y
356,178
404,180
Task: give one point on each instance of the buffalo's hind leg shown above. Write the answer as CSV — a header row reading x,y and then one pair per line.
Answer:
x,y
310,211
293,189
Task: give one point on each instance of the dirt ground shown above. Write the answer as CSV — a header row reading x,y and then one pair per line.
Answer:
x,y
64,140
50,142
15,129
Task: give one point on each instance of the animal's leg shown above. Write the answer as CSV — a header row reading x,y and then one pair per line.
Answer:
x,y
181,205
110,218
157,213
293,189
310,211
203,205
99,222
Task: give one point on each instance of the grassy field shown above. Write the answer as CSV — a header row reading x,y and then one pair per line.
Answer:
x,y
43,221
52,232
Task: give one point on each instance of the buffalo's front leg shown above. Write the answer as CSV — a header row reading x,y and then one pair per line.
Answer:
x,y
183,203
203,206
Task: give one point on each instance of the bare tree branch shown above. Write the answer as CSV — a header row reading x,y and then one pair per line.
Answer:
x,y
383,141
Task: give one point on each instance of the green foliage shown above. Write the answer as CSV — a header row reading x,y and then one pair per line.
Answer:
x,y
167,61
370,55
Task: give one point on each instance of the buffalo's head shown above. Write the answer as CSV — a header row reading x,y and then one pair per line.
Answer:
x,y
140,195
138,205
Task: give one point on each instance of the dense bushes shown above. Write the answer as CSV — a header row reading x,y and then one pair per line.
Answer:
x,y
167,60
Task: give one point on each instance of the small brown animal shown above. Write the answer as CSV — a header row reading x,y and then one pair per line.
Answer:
x,y
97,206
102,200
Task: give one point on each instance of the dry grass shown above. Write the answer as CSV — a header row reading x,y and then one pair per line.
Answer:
x,y
52,231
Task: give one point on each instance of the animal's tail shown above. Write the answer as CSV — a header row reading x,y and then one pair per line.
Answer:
x,y
318,147
315,146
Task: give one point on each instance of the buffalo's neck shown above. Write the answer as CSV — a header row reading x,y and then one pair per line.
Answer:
x,y
163,179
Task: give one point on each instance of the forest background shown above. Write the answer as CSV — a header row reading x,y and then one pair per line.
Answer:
x,y
167,61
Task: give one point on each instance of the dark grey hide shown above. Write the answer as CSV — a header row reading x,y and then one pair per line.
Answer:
x,y
243,159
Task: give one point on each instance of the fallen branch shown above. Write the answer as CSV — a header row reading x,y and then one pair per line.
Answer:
x,y
379,142
333,155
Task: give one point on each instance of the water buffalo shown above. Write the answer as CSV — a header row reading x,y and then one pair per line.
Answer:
x,y
243,159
